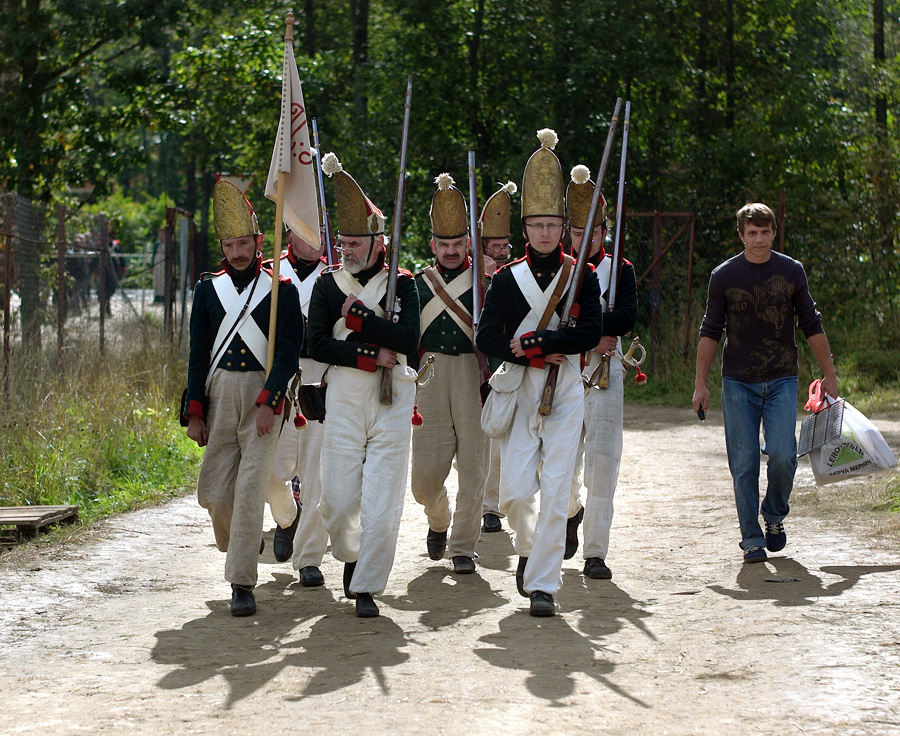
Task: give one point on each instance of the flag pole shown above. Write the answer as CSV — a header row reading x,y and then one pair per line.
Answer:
x,y
279,227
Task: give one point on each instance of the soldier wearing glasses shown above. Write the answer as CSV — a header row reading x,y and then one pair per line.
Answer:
x,y
519,325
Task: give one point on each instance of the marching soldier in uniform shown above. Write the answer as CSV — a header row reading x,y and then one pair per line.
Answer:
x,y
495,234
299,450
600,446
450,403
365,449
229,328
519,324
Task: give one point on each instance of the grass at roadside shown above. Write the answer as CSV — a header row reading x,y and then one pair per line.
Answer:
x,y
101,432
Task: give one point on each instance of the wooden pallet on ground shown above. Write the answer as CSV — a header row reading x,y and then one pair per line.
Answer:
x,y
30,520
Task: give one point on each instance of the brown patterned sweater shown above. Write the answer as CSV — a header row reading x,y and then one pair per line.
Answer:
x,y
756,304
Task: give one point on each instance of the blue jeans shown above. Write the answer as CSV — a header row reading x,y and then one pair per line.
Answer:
x,y
744,406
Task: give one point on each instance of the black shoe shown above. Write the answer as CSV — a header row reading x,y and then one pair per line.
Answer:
x,y
311,577
572,534
776,537
463,565
283,544
491,523
436,543
542,604
365,606
242,601
262,546
596,569
520,576
349,567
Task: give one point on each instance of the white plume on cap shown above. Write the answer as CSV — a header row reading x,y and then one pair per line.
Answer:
x,y
331,165
548,138
444,181
510,187
580,174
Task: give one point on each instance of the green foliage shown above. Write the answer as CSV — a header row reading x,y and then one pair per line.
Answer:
x,y
732,101
102,433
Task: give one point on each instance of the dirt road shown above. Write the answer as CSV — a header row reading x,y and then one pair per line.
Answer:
x,y
127,628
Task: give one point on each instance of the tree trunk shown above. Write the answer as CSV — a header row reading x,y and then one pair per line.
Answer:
x,y
309,30
359,16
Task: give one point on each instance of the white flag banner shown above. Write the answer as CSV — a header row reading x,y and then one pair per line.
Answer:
x,y
294,156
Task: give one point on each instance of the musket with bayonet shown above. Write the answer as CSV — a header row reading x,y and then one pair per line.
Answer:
x,y
392,308
477,276
323,209
567,319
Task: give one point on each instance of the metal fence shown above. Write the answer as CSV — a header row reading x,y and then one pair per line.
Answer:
x,y
65,276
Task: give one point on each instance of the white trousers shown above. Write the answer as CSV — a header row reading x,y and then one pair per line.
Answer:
x,y
599,455
365,453
451,411
300,453
538,454
232,480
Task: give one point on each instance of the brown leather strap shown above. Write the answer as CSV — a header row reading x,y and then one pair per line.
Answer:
x,y
557,293
445,297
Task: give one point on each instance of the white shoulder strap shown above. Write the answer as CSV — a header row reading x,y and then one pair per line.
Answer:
x,y
536,298
305,286
370,295
233,302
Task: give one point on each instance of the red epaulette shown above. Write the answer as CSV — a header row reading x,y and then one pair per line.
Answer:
x,y
507,265
624,260
207,275
281,279
404,272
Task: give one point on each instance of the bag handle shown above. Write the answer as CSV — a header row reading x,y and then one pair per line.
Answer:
x,y
815,401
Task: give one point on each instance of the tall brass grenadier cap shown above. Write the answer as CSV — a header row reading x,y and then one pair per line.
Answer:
x,y
356,214
448,209
232,212
578,198
543,188
495,215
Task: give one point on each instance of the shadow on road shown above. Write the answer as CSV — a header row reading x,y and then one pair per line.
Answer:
x,y
445,599
552,655
786,582
250,653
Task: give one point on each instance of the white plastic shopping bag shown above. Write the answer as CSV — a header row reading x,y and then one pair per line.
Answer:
x,y
859,450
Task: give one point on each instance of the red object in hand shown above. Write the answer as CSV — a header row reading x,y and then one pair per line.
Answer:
x,y
816,398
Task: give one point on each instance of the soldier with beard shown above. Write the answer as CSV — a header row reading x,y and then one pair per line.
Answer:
x,y
366,443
